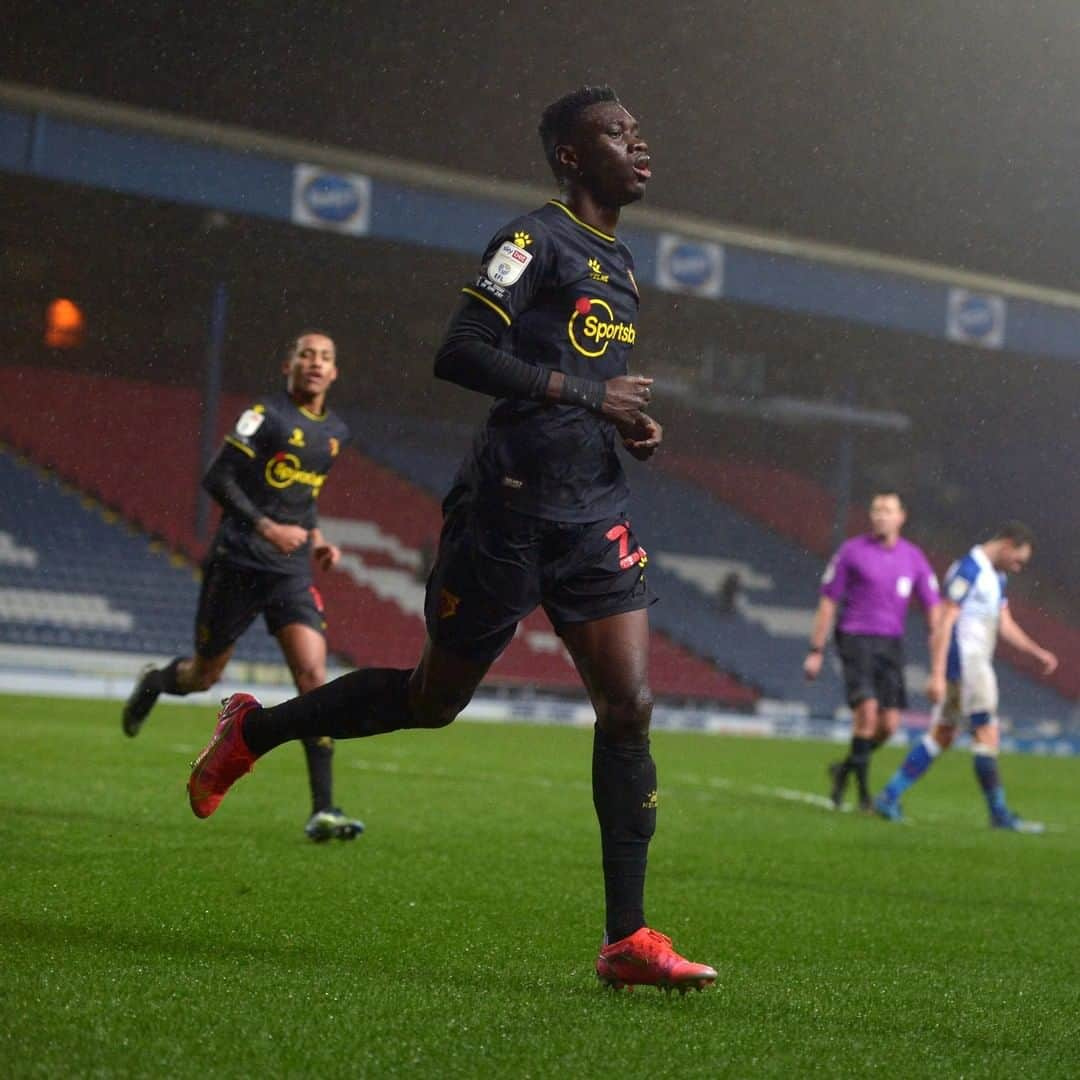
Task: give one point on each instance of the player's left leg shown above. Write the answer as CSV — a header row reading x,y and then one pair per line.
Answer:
x,y
980,702
865,723
469,620
860,691
612,655
985,744
891,696
304,649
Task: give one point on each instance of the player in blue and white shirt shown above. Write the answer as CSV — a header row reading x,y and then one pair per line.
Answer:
x,y
962,679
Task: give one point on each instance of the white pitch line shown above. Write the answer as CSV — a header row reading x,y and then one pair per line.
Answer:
x,y
790,795
720,783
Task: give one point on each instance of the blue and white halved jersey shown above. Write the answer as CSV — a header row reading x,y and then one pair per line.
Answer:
x,y
979,590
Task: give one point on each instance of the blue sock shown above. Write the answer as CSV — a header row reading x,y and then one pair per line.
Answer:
x,y
986,772
920,758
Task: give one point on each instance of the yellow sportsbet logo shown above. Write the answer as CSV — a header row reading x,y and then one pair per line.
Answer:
x,y
592,327
283,470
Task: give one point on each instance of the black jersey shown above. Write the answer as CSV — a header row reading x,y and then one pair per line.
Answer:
x,y
567,293
283,453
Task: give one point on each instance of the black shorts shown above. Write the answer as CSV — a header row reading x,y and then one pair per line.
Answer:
x,y
495,566
873,668
232,596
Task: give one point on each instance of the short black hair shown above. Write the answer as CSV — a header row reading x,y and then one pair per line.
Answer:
x,y
888,493
289,347
1017,532
558,120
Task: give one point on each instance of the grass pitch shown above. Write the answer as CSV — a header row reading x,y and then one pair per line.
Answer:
x,y
456,938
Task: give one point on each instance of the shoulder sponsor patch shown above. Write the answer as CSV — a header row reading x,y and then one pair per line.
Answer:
x,y
508,263
958,589
249,423
484,284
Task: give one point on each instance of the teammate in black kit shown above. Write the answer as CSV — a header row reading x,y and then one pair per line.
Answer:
x,y
537,515
266,478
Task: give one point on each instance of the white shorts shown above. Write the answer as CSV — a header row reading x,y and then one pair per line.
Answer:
x,y
976,691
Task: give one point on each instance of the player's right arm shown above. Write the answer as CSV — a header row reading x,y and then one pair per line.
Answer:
x,y
833,590
819,635
959,579
222,480
511,276
940,637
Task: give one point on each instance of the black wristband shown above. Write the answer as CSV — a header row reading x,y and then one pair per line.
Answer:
x,y
587,393
816,649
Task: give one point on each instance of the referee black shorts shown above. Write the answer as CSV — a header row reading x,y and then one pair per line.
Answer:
x,y
873,668
232,596
495,566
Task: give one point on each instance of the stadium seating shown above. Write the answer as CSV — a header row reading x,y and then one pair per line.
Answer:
x,y
776,542
133,446
71,574
801,510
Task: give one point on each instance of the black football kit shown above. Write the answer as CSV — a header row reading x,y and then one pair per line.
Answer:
x,y
537,513
273,464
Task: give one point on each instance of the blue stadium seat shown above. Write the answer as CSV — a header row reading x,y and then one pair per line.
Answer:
x,y
100,584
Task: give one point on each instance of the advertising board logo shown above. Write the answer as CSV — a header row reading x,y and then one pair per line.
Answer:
x,y
325,200
975,319
689,266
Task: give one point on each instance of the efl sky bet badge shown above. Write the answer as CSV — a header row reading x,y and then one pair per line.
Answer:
x,y
249,423
508,263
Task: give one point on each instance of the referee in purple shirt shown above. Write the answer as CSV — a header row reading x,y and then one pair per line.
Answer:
x,y
871,579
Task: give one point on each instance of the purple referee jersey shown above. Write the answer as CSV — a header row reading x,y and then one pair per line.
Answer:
x,y
875,583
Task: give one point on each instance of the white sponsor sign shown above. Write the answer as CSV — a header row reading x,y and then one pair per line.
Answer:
x,y
689,266
340,202
976,319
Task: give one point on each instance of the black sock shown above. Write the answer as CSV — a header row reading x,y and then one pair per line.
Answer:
x,y
165,678
624,794
859,763
319,754
367,702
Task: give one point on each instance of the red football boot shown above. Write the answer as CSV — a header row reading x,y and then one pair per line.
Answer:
x,y
224,760
646,958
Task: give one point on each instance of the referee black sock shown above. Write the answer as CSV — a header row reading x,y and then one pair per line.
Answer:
x,y
165,678
624,794
368,702
319,754
859,764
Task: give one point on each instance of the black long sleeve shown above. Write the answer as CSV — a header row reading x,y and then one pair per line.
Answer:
x,y
469,357
221,482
